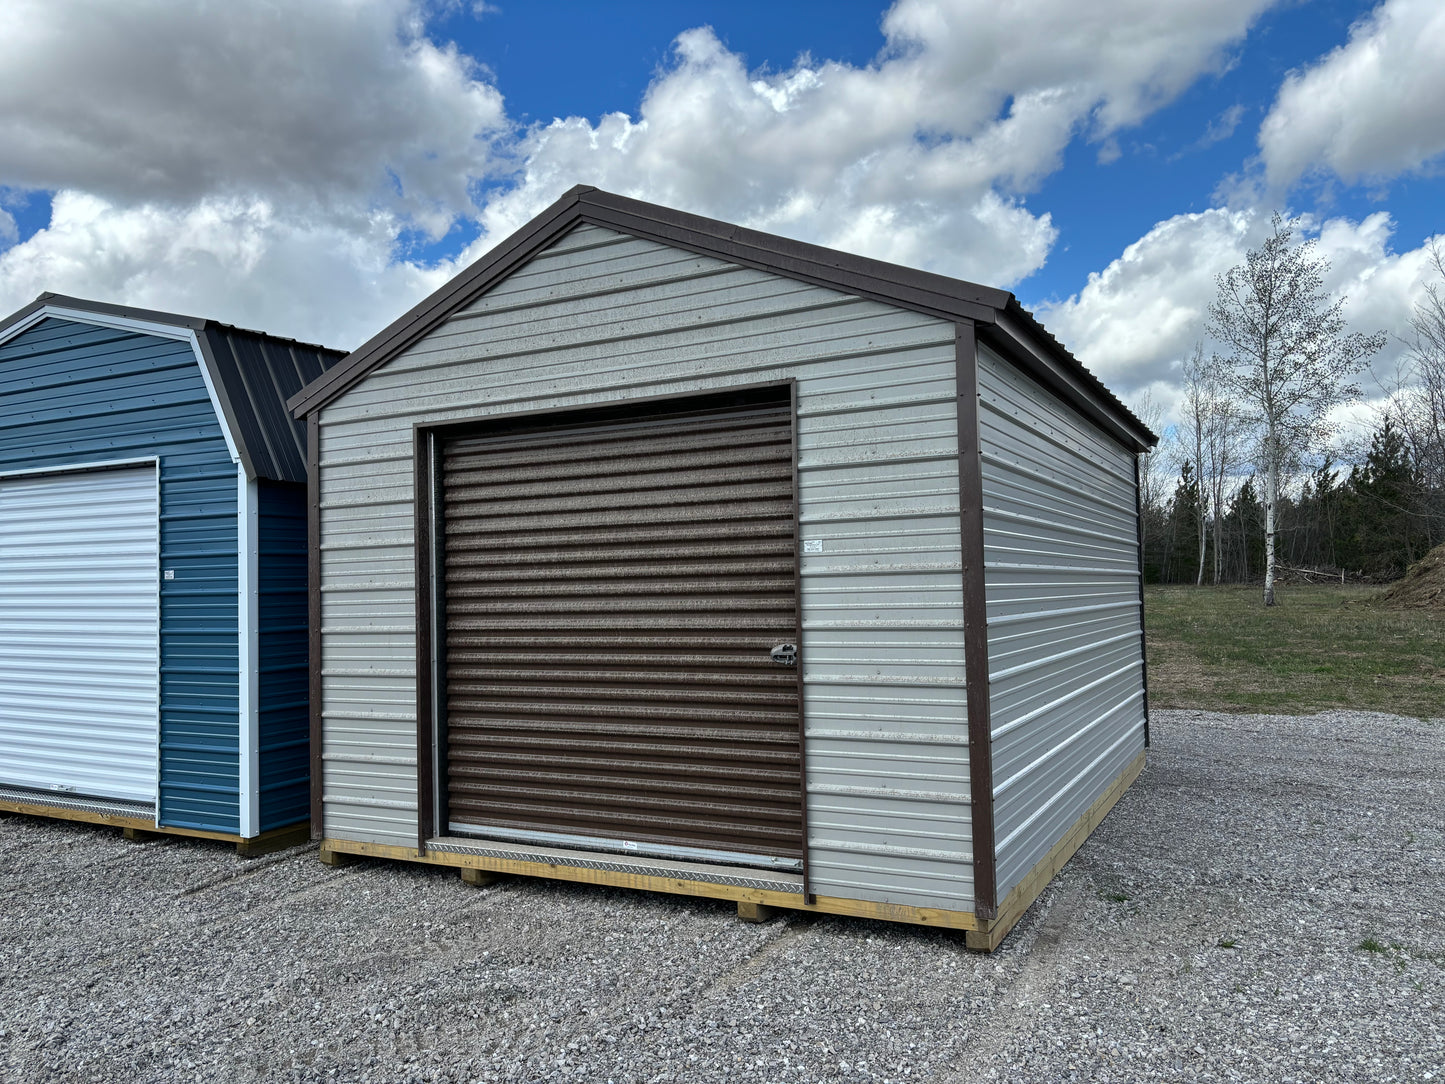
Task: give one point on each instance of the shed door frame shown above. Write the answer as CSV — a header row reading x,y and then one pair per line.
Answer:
x,y
427,441
100,466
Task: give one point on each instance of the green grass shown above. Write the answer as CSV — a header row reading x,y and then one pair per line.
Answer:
x,y
1219,649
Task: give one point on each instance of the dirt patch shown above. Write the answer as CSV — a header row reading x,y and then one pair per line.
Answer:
x,y
1421,588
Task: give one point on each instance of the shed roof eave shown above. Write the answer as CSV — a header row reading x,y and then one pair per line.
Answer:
x,y
200,333
1021,337
905,287
1027,344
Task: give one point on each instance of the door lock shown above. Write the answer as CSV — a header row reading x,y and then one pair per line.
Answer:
x,y
785,654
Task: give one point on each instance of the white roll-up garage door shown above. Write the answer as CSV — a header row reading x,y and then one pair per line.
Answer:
x,y
79,633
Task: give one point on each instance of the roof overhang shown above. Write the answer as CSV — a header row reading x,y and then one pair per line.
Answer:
x,y
1003,322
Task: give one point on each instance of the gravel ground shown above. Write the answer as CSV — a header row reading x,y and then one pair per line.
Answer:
x,y
1265,904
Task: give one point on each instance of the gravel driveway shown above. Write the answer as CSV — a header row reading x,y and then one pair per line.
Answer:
x,y
1265,904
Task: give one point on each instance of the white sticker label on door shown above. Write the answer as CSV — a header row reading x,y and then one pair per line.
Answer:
x,y
813,545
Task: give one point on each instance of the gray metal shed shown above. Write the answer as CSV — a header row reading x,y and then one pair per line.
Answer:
x,y
659,552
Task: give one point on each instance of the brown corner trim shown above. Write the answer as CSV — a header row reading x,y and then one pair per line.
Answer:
x,y
423,489
313,617
975,624
988,936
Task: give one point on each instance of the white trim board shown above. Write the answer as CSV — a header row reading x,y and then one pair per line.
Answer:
x,y
248,568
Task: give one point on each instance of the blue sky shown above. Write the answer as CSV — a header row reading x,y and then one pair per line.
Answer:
x,y
1172,162
315,170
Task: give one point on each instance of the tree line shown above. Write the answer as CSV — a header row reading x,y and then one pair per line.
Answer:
x,y
1249,483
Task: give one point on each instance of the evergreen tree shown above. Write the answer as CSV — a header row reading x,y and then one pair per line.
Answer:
x,y
1324,487
1185,514
1246,532
1386,535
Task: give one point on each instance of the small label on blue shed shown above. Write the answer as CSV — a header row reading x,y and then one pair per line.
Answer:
x,y
813,545
170,573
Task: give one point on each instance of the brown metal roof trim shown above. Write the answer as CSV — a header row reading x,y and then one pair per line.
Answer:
x,y
1003,323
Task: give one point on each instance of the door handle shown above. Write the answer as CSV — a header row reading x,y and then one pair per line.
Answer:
x,y
785,654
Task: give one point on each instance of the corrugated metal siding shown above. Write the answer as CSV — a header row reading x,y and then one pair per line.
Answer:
x,y
79,651
282,656
73,393
257,374
1065,640
602,317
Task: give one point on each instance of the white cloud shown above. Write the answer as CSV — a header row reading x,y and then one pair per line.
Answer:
x,y
1132,321
323,104
921,157
229,258
1138,318
260,162
1368,109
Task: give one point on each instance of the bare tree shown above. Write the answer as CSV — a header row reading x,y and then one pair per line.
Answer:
x,y
1418,407
1287,357
1211,435
1189,439
1148,411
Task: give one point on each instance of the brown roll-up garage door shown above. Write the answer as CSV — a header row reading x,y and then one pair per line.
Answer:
x,y
615,587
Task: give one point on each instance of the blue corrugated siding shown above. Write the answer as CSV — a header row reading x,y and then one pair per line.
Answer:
x,y
73,393
284,719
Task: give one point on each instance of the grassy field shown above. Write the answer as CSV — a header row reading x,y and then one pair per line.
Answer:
x,y
1218,648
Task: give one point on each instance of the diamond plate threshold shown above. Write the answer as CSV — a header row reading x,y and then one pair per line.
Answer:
x,y
735,876
112,807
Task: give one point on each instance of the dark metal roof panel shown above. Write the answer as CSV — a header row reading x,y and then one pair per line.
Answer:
x,y
255,374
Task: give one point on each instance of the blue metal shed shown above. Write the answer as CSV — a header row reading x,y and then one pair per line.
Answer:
x,y
153,641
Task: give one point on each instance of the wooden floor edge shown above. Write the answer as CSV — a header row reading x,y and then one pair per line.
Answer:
x,y
273,840
88,816
991,934
938,918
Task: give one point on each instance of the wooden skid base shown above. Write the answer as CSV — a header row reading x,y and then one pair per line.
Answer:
x,y
990,934
759,905
278,839
756,912
141,829
336,851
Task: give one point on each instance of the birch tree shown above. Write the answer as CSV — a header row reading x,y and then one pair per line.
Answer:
x,y
1225,435
1286,357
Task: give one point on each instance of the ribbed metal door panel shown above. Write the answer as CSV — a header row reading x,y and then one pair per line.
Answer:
x,y
613,590
78,633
